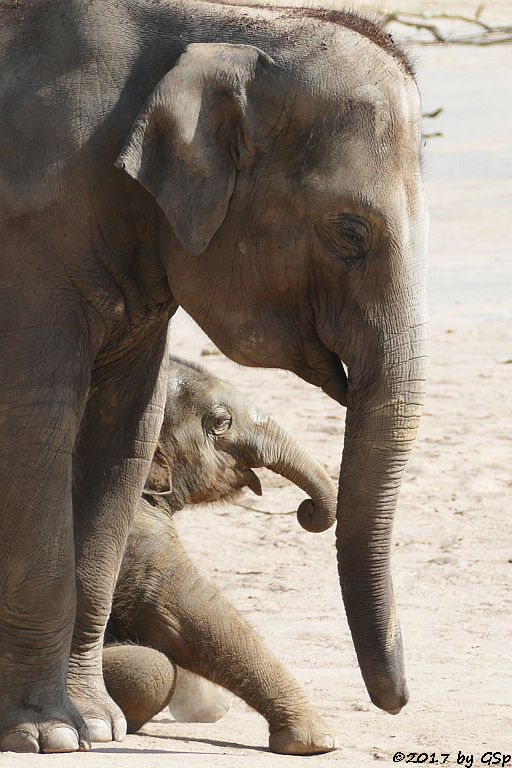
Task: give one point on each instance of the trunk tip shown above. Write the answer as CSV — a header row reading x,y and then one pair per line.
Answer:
x,y
315,520
389,702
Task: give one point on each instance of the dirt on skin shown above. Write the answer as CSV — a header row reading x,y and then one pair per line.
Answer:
x,y
452,557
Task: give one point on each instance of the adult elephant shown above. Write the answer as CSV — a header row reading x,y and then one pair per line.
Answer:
x,y
268,180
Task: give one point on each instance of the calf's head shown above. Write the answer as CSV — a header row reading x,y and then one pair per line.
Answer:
x,y
212,439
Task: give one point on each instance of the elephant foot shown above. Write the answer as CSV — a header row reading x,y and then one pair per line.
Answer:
x,y
197,700
311,736
43,728
140,680
102,716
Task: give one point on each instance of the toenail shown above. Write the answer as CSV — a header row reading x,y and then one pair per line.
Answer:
x,y
326,742
62,738
120,729
99,730
19,741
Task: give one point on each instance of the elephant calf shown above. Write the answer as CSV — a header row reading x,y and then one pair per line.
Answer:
x,y
211,440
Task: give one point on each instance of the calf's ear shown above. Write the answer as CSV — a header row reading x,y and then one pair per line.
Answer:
x,y
158,481
194,134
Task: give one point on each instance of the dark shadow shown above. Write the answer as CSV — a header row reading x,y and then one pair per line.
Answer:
x,y
111,750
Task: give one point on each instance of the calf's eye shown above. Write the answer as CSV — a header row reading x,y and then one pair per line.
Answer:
x,y
218,423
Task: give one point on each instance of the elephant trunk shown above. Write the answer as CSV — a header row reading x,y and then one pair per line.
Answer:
x,y
379,436
277,450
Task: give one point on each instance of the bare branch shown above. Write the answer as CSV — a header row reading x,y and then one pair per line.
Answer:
x,y
416,24
487,34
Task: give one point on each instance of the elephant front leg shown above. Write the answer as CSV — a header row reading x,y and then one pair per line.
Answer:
x,y
215,642
42,391
116,444
177,612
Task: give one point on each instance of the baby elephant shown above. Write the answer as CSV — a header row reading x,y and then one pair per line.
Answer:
x,y
175,620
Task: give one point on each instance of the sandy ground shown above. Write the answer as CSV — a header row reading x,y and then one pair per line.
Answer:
x,y
453,534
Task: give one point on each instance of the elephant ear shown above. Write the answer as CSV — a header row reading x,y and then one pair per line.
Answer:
x,y
158,481
192,136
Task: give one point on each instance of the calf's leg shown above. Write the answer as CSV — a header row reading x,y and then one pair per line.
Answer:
x,y
162,601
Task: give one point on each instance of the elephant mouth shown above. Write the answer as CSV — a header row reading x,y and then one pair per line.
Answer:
x,y
252,481
244,478
336,385
326,371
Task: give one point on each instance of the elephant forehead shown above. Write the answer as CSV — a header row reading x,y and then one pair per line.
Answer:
x,y
363,148
349,137
186,392
348,80
258,418
380,117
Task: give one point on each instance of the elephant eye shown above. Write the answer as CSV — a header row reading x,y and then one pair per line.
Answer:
x,y
218,422
345,235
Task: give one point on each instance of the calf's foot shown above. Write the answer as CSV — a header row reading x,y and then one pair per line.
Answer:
x,y
141,680
308,736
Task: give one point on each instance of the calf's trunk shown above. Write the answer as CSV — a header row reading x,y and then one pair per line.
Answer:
x,y
277,450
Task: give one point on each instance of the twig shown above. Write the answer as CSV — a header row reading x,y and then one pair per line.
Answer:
x,y
423,21
449,17
435,134
435,113
416,24
479,9
264,511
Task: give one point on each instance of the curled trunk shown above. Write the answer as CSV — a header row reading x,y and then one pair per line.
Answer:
x,y
277,450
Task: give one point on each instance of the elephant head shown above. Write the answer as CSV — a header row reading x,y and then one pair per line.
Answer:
x,y
210,440
293,226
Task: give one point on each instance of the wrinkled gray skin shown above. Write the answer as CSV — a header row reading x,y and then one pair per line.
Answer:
x,y
211,438
261,168
196,627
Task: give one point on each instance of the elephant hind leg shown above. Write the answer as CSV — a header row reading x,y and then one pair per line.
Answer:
x,y
140,680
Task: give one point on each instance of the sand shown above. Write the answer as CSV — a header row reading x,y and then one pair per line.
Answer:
x,y
452,555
